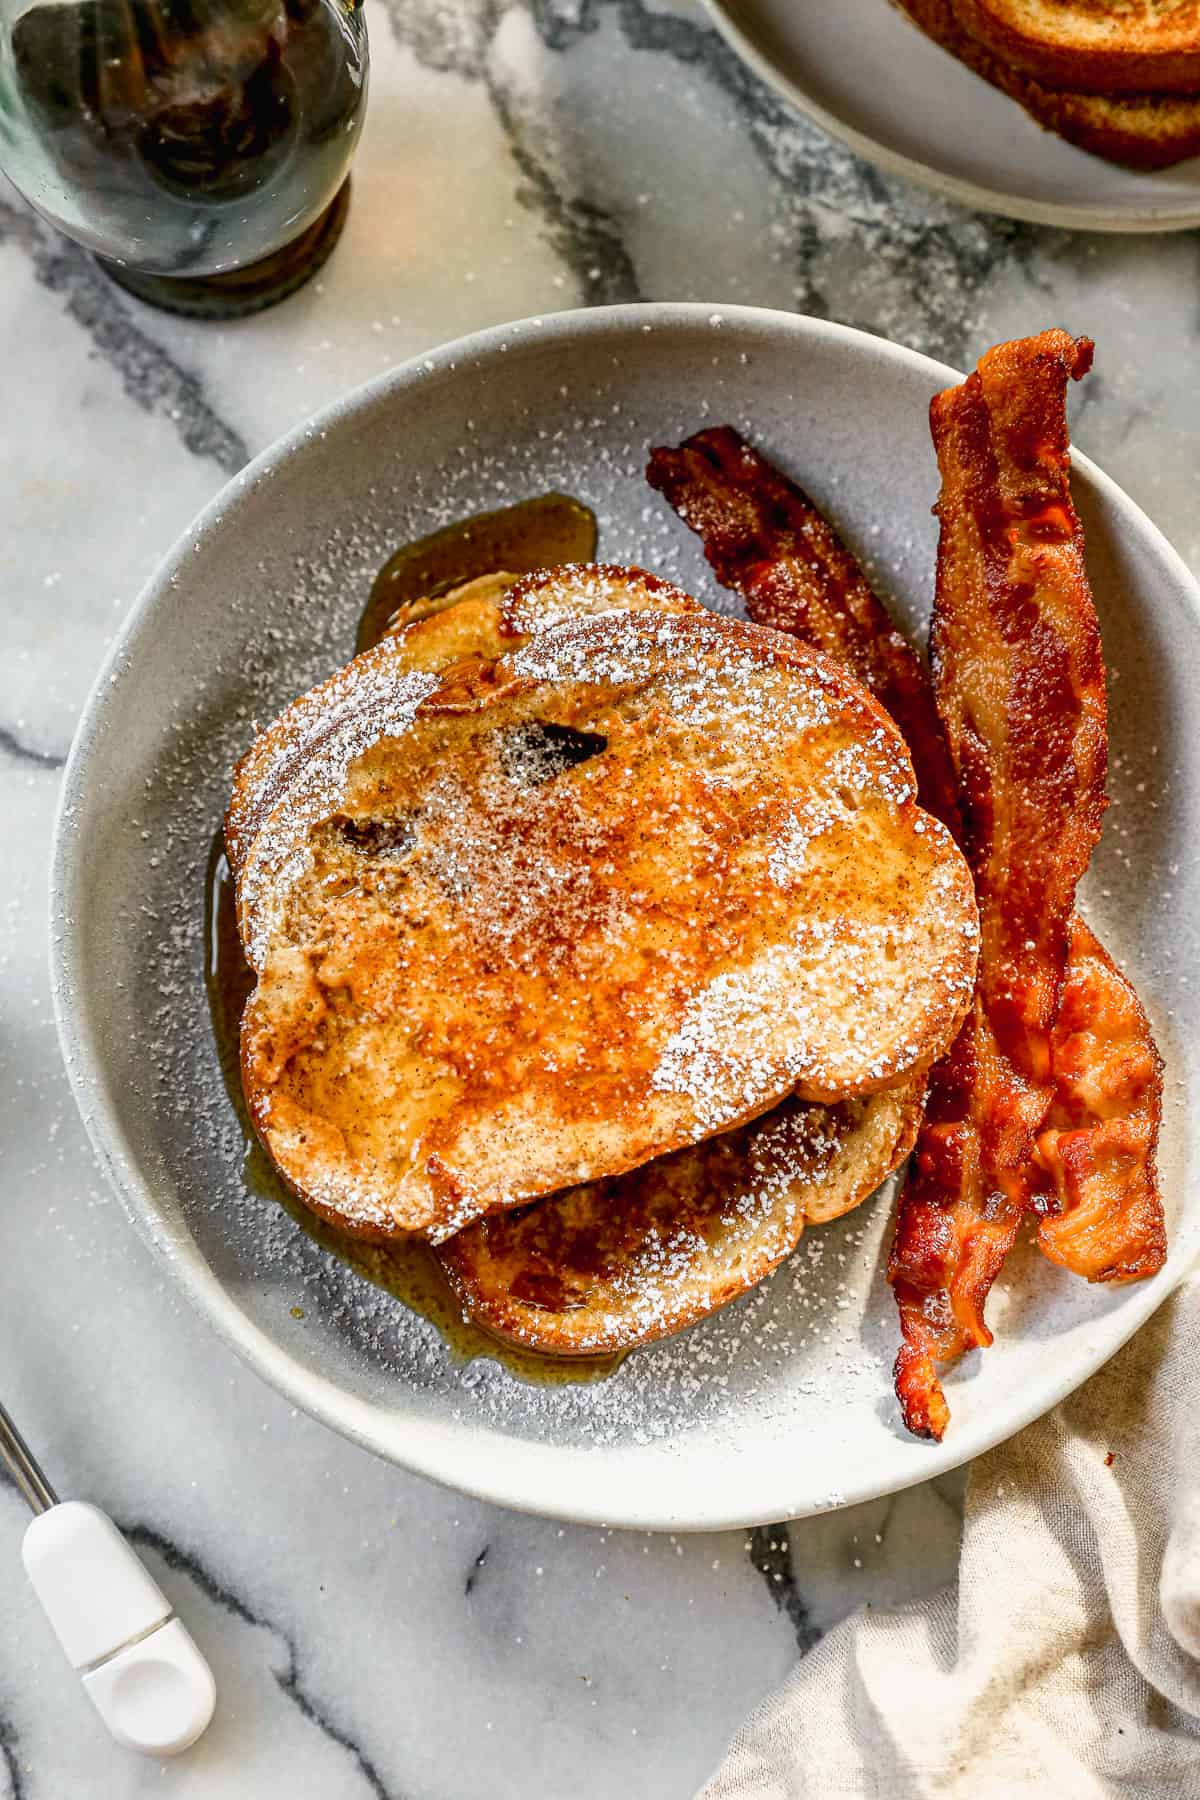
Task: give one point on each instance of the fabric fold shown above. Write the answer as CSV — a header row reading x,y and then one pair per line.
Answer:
x,y
1064,1661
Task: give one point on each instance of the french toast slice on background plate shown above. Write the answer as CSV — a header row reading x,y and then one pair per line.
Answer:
x,y
1092,46
1140,131
809,927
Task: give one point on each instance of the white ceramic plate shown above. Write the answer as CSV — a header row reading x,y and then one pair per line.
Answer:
x,y
781,1404
865,74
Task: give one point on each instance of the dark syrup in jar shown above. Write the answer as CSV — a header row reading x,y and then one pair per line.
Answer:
x,y
188,141
531,535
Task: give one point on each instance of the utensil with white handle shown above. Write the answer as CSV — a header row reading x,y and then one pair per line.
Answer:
x,y
138,1662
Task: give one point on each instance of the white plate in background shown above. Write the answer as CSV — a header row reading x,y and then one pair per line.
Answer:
x,y
864,72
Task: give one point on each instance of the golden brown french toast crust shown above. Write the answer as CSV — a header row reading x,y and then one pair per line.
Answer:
x,y
620,890
1093,46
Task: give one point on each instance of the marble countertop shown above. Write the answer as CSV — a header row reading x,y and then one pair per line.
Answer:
x,y
373,1635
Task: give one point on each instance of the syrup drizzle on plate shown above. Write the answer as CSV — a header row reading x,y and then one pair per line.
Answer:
x,y
534,534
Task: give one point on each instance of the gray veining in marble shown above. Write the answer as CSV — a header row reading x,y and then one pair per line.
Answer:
x,y
374,1636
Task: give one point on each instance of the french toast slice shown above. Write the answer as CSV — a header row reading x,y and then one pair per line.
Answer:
x,y
617,892
613,1264
1139,131
1093,46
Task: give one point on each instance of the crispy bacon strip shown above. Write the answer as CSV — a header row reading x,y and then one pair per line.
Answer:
x,y
1102,1215
1019,678
1095,1156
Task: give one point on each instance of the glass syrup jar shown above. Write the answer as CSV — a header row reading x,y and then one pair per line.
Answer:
x,y
200,148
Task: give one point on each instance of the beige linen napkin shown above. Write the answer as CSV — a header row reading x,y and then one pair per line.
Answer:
x,y
1064,1662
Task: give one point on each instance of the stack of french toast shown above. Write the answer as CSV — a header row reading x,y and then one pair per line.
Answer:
x,y
572,888
603,942
1121,80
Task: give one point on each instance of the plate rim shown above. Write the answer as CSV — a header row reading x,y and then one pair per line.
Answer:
x,y
580,1496
1097,217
